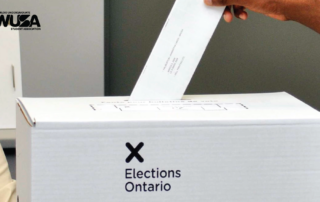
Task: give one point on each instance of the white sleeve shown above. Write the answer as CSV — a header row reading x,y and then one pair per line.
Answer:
x,y
7,185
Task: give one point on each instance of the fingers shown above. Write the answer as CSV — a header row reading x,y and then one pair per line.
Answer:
x,y
240,13
227,15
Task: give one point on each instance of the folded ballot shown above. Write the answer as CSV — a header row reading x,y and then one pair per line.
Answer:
x,y
177,51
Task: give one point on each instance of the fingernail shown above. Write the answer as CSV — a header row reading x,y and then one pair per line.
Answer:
x,y
208,2
225,17
242,16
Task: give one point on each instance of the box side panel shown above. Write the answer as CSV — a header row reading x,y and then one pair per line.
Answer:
x,y
23,156
243,164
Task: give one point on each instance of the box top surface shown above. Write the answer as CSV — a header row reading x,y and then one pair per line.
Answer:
x,y
220,109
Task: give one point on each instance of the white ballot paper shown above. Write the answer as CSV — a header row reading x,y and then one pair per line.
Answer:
x,y
177,51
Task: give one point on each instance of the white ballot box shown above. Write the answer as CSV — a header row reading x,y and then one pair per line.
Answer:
x,y
223,148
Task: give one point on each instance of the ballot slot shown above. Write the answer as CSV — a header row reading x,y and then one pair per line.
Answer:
x,y
176,105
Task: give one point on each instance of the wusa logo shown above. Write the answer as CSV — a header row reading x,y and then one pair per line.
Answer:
x,y
20,20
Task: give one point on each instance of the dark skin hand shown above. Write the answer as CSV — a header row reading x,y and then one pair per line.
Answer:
x,y
306,12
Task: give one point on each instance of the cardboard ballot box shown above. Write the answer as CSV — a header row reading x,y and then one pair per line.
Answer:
x,y
223,148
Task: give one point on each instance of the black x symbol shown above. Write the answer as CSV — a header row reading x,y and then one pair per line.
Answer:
x,y
134,152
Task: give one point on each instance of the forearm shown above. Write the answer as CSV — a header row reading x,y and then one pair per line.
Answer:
x,y
306,12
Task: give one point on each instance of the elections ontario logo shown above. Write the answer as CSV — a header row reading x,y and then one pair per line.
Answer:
x,y
147,180
18,20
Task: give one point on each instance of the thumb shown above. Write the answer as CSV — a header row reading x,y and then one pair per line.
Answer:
x,y
222,2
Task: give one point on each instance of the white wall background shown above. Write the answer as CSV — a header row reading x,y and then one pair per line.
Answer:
x,y
65,58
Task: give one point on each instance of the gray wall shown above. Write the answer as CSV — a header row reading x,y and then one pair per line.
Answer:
x,y
65,58
257,55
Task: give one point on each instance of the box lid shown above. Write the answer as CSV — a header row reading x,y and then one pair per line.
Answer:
x,y
267,108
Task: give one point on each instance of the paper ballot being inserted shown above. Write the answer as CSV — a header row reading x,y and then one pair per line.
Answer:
x,y
178,51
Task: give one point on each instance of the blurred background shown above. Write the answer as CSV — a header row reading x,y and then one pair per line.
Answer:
x,y
252,56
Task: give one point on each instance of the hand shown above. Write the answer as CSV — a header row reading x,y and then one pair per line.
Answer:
x,y
306,12
271,8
